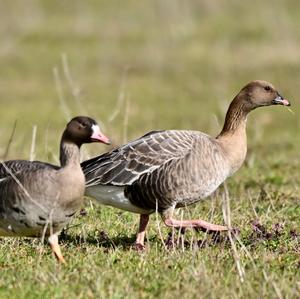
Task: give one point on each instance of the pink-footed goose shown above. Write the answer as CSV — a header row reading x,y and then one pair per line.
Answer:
x,y
164,170
38,199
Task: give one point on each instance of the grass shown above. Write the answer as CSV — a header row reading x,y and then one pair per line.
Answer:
x,y
173,64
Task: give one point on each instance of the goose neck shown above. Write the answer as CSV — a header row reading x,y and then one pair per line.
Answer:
x,y
233,137
236,118
69,154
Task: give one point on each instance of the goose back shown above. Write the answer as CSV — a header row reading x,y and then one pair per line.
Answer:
x,y
12,167
125,164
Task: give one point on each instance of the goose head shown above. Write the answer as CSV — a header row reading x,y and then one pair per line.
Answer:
x,y
83,129
260,93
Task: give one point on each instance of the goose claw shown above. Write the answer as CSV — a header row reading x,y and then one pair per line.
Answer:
x,y
139,247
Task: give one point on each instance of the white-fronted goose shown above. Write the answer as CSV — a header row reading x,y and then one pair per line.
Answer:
x,y
164,170
38,199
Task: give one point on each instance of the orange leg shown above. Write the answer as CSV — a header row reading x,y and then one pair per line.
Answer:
x,y
53,241
140,238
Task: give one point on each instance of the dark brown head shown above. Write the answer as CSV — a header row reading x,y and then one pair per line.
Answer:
x,y
260,93
83,129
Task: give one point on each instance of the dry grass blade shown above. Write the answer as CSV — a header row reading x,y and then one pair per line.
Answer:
x,y
33,141
59,89
158,226
75,89
10,141
241,271
277,290
227,218
121,97
126,117
47,224
290,110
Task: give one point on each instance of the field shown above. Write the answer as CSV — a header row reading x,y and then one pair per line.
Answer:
x,y
136,66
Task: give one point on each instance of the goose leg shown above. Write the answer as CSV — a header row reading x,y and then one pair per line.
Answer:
x,y
53,241
197,224
139,243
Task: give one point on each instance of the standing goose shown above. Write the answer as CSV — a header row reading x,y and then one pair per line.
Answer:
x,y
164,170
38,199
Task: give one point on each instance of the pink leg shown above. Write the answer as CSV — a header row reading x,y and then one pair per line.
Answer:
x,y
205,226
139,243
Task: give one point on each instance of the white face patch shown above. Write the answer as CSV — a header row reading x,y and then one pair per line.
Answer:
x,y
98,135
96,130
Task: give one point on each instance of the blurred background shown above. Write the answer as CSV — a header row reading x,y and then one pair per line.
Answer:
x,y
136,66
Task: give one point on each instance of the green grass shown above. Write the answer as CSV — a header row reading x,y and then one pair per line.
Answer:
x,y
173,64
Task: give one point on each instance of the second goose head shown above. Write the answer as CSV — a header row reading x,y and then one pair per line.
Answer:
x,y
83,129
255,94
260,93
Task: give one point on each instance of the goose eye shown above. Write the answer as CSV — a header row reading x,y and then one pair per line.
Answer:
x,y
82,126
267,88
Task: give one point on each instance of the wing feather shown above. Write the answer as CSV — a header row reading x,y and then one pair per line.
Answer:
x,y
16,167
126,164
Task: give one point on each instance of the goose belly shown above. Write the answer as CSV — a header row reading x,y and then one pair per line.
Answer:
x,y
113,196
196,196
13,231
17,229
31,222
199,188
6,233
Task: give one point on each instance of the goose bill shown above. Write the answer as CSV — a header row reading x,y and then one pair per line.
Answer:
x,y
281,101
98,136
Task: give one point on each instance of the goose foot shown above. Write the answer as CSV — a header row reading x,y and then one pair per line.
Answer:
x,y
140,238
53,241
139,247
196,224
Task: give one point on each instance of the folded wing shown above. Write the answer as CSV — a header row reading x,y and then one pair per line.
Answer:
x,y
126,164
